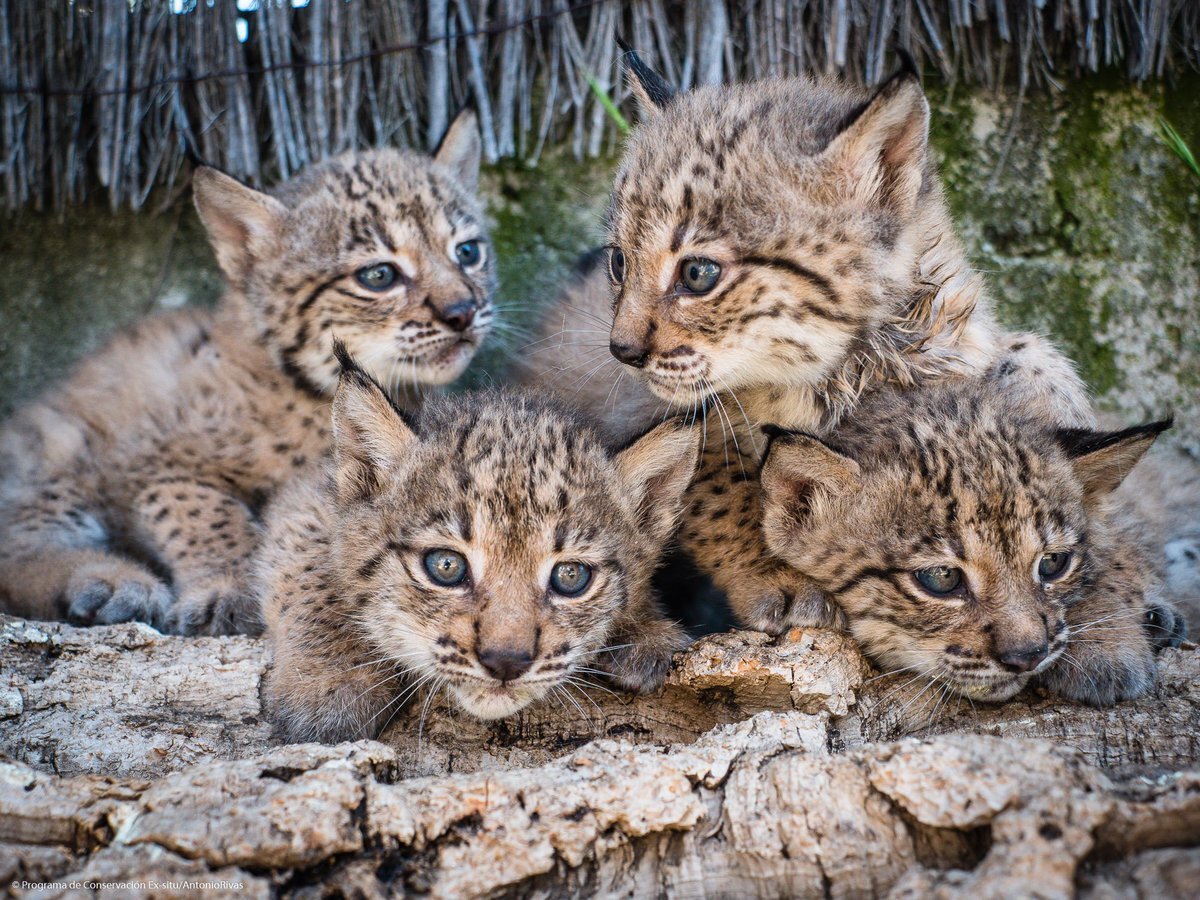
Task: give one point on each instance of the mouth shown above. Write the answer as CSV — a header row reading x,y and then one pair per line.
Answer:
x,y
672,387
443,361
493,699
990,691
998,687
453,353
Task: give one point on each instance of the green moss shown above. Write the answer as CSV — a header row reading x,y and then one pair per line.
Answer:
x,y
543,220
70,282
1088,228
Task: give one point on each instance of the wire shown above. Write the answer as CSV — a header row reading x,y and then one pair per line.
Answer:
x,y
170,80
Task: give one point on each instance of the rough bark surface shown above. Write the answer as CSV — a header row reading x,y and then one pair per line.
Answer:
x,y
763,768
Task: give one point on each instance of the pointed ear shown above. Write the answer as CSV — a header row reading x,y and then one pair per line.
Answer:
x,y
242,223
459,150
883,149
1102,459
655,471
370,436
797,470
652,91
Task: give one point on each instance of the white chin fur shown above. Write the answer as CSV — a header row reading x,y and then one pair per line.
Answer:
x,y
446,366
991,693
494,702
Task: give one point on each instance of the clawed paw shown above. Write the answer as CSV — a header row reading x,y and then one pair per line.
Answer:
x,y
778,610
637,669
108,598
642,665
214,612
1104,674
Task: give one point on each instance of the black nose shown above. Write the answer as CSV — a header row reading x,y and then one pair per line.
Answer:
x,y
1024,659
628,354
459,315
507,665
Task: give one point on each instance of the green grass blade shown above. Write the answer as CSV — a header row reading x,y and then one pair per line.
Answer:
x,y
607,102
1175,141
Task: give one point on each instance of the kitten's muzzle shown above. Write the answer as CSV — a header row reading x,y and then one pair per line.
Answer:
x,y
1024,658
458,315
505,664
631,354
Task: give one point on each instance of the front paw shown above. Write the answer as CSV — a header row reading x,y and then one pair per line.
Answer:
x,y
642,665
104,594
214,610
1103,673
778,608
1165,626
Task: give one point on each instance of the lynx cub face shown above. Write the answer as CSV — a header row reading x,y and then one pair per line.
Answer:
x,y
968,546
491,546
760,233
385,249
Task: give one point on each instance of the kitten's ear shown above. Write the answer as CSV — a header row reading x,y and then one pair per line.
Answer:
x,y
242,223
655,471
460,151
370,436
796,470
652,91
1102,459
883,149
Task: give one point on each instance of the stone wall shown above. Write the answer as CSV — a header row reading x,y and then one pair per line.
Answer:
x,y
1087,225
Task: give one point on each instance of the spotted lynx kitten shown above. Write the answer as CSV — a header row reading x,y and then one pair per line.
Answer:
x,y
777,251
973,546
131,491
491,545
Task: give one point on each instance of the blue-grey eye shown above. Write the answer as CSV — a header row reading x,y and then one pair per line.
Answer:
x,y
378,277
699,275
570,578
446,567
616,266
1053,565
468,254
939,579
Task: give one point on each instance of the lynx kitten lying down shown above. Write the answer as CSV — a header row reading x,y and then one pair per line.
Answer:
x,y
972,546
131,491
492,546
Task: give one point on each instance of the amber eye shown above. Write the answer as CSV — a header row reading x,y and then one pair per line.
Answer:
x,y
570,578
616,266
378,277
939,579
446,567
1053,565
699,275
468,254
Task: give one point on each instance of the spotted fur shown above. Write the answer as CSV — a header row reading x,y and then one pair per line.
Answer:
x,y
952,475
132,490
513,485
840,272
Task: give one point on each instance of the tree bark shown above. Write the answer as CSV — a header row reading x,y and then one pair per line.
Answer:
x,y
762,768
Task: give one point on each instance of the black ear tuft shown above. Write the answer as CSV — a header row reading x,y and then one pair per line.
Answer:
x,y
656,88
354,373
345,360
1077,442
908,65
773,432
